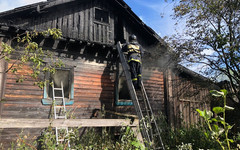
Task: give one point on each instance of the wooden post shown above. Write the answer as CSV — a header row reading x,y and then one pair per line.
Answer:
x,y
3,67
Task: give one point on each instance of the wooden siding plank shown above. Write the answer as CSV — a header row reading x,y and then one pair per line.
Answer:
x,y
99,33
70,23
107,34
59,23
44,123
95,32
91,32
104,33
81,23
111,30
86,21
75,23
54,20
64,23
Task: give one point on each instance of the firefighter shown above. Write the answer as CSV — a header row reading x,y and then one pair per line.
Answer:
x,y
134,54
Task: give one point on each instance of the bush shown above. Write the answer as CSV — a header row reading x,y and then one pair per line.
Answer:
x,y
88,139
182,137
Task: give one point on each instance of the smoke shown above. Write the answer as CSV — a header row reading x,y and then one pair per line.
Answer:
x,y
159,56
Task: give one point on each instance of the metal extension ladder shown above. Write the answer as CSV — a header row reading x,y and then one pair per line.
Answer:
x,y
60,113
148,126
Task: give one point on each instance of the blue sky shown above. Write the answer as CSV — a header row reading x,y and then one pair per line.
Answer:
x,y
150,11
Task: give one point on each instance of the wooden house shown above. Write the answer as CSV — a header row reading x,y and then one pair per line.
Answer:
x,y
92,75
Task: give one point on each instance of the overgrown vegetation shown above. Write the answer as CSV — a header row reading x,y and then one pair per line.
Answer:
x,y
82,139
185,138
25,50
214,133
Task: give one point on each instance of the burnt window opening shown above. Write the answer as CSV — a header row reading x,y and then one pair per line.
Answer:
x,y
64,75
101,15
56,79
122,95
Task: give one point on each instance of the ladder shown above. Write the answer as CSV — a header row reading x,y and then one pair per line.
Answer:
x,y
148,125
60,113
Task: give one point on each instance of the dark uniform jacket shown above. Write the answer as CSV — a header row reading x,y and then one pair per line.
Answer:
x,y
134,51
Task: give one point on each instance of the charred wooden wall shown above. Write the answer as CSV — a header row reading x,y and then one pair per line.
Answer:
x,y
94,64
185,95
94,79
77,20
154,84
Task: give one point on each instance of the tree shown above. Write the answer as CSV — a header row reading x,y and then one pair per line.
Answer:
x,y
211,38
26,51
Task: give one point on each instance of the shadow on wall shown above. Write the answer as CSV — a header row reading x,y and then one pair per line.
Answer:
x,y
107,83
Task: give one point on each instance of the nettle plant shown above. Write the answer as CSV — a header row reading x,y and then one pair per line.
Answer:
x,y
218,128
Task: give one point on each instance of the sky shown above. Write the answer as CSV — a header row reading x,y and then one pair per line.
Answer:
x,y
150,11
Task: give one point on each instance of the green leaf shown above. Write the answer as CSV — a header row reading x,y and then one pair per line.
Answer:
x,y
215,127
229,127
201,113
225,92
217,93
218,119
229,108
231,140
208,114
218,110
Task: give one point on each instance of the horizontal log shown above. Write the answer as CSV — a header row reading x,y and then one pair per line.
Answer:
x,y
43,123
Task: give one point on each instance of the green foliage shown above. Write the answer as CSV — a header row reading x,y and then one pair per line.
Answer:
x,y
185,138
185,146
210,38
218,128
28,52
89,139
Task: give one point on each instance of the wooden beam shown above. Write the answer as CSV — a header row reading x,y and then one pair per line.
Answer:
x,y
44,123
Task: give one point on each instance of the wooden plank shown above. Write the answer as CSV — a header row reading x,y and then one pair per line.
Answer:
x,y
100,30
23,92
104,33
44,123
91,22
75,24
81,23
95,32
70,23
111,30
107,34
86,21
59,22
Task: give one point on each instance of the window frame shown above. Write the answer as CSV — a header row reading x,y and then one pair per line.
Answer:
x,y
119,102
48,100
101,22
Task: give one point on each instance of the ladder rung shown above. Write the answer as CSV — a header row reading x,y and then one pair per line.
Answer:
x,y
58,97
60,117
59,106
60,140
58,89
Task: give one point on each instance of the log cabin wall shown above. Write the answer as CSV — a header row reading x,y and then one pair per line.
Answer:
x,y
87,47
76,19
154,85
80,20
185,95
